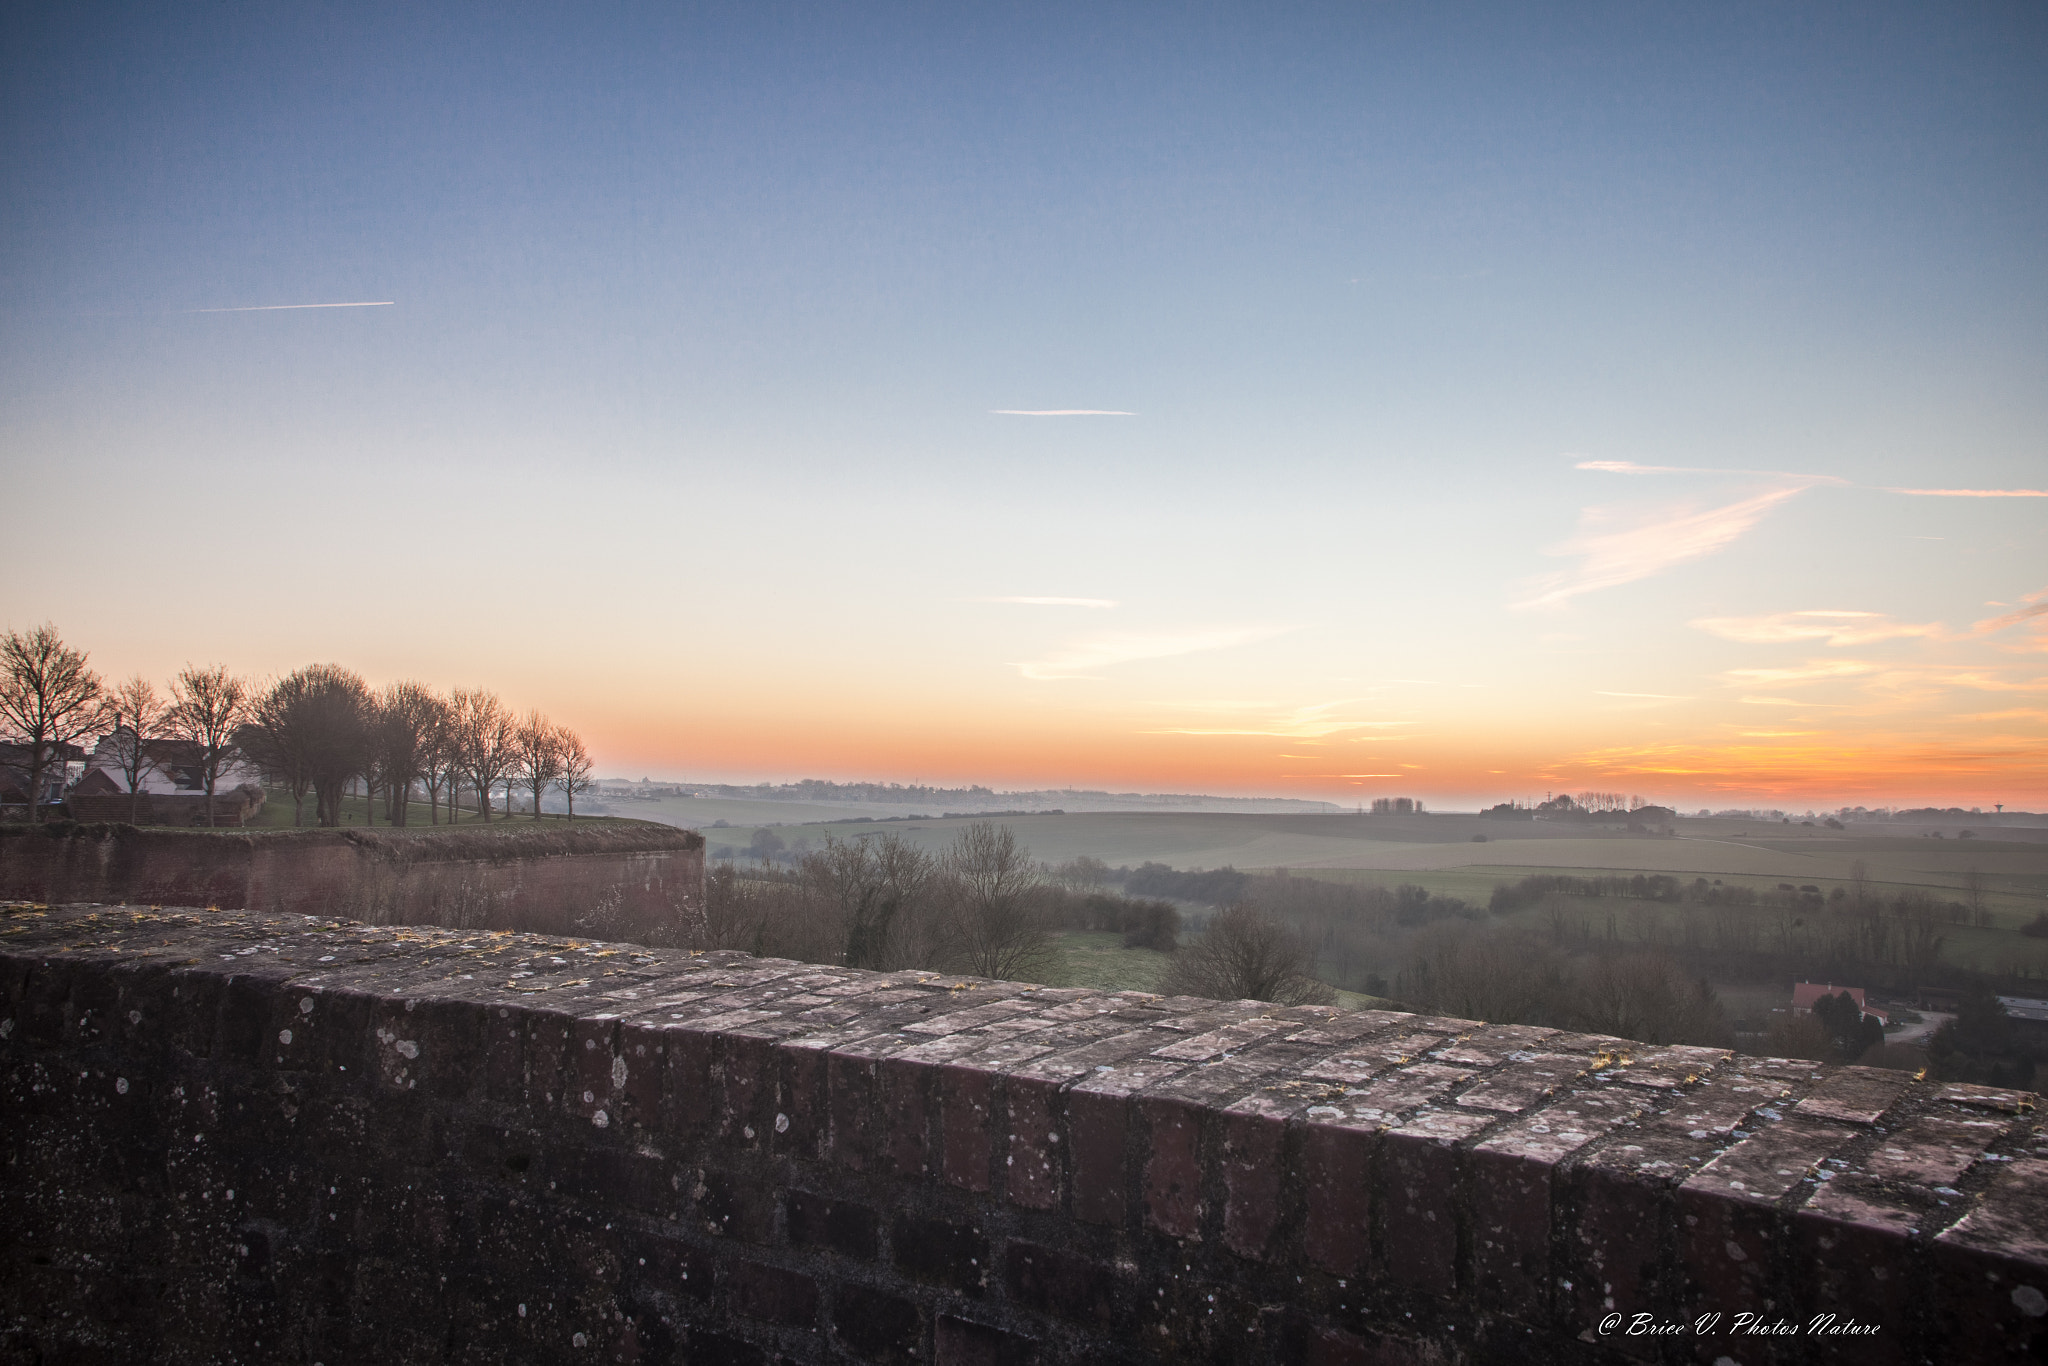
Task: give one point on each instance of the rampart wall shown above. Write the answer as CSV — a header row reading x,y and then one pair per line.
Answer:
x,y
245,1137
621,881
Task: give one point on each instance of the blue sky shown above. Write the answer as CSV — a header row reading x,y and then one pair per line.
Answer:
x,y
682,420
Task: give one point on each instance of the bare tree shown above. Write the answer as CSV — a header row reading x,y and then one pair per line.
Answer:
x,y
536,758
1247,954
577,767
49,699
207,707
484,737
438,760
137,714
998,926
409,718
309,731
879,889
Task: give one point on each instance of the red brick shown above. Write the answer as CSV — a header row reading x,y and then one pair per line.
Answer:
x,y
1513,1188
1623,1208
1173,1165
1520,1085
1728,1238
1991,1271
1933,1150
1855,1095
966,1137
940,1251
770,1293
1421,1166
959,1342
850,1229
1062,1284
903,1092
588,1080
689,1099
1254,1170
850,1084
1850,1239
1337,1166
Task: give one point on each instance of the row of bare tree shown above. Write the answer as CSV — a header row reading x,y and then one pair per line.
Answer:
x,y
317,731
882,902
321,729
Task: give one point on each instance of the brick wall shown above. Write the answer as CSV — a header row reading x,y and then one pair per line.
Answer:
x,y
627,881
239,1137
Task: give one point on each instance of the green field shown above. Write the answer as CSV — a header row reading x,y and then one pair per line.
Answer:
x,y
1439,852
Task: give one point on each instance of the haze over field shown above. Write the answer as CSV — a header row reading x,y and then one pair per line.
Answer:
x,y
1461,402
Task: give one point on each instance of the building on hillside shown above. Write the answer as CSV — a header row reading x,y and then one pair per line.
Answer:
x,y
172,790
2029,1016
1804,994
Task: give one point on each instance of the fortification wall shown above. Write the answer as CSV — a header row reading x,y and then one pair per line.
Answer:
x,y
621,881
233,1136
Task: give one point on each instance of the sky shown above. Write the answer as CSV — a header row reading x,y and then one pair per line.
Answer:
x,y
1458,401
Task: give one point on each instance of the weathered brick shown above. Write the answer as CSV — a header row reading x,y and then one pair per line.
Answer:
x,y
962,1342
1729,1238
1513,1186
1337,1166
848,1228
1422,1171
874,1326
1521,1084
1992,1293
1854,1095
966,1120
1253,1144
730,1205
1853,1236
1062,1284
758,1291
1933,1150
940,1252
1623,1208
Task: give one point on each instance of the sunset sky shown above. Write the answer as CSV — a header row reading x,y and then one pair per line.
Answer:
x,y
1337,401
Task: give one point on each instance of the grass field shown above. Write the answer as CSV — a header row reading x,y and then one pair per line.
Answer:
x,y
1439,852
1098,958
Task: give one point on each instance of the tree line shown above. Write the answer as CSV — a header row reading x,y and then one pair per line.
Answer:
x,y
316,732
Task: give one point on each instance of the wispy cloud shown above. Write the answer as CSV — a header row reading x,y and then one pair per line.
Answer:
x,y
1060,412
1834,627
1771,702
1085,657
1653,544
1972,493
1631,467
1645,696
1814,671
1051,602
280,308
1315,722
2037,606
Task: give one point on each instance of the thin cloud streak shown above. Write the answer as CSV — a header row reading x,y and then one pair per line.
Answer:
x,y
1610,558
281,308
1631,467
1060,412
1084,657
1971,493
1833,627
1313,722
1051,602
2038,607
1813,672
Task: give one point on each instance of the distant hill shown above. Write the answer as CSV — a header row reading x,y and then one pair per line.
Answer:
x,y
959,800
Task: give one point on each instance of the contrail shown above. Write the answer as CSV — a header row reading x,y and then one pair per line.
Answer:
x,y
273,308
1059,412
